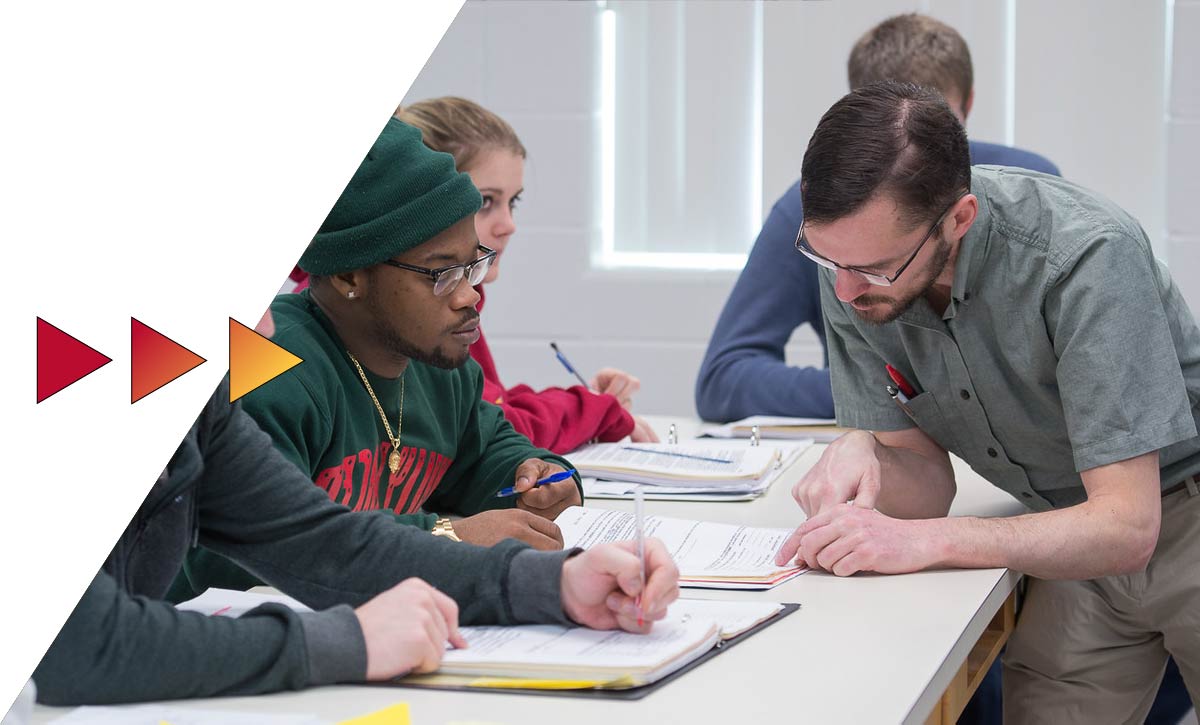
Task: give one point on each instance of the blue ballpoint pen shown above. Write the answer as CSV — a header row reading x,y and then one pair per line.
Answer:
x,y
553,478
567,364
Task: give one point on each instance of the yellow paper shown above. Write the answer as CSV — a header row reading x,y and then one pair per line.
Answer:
x,y
535,684
394,715
530,684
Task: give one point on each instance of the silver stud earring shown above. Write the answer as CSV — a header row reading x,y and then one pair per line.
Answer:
x,y
350,295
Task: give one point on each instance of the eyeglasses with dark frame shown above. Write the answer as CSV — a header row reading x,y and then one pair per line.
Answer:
x,y
880,280
446,279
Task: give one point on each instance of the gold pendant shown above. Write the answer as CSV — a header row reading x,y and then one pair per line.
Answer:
x,y
394,461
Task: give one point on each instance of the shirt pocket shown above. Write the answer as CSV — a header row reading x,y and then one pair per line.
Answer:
x,y
927,414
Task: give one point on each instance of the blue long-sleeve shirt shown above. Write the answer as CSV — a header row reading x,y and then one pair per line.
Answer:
x,y
744,371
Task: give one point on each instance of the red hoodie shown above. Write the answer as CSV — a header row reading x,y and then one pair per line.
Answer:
x,y
558,419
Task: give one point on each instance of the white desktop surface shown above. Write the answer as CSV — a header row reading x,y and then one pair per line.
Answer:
x,y
862,649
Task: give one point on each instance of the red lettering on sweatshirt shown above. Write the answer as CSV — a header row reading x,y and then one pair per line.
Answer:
x,y
338,481
356,481
433,476
413,478
372,472
364,458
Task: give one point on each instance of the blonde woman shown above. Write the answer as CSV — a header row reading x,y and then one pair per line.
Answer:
x,y
486,147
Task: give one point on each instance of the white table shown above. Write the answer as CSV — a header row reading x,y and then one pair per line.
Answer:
x,y
862,649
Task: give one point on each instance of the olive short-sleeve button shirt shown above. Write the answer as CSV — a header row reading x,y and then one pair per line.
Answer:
x,y
1065,346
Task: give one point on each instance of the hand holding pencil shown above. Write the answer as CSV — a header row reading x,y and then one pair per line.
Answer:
x,y
617,383
600,587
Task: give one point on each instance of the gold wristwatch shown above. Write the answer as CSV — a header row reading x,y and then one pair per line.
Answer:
x,y
443,527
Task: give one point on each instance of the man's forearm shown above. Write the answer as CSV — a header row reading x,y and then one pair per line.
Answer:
x,y
1081,542
913,485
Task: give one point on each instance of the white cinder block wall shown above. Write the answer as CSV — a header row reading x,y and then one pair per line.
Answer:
x,y
1183,151
1099,115
537,64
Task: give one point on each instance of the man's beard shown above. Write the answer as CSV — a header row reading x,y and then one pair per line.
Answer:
x,y
397,345
889,308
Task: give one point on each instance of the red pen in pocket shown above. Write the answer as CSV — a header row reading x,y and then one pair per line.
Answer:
x,y
901,384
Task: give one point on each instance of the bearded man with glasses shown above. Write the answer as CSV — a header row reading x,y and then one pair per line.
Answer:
x,y
386,411
746,370
1039,340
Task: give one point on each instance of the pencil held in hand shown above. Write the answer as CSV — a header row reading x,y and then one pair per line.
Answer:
x,y
639,515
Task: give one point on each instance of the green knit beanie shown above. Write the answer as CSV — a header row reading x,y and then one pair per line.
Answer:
x,y
402,195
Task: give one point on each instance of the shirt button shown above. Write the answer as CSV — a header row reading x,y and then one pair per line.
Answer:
x,y
964,395
992,452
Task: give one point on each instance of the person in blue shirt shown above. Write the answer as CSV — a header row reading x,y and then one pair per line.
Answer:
x,y
744,372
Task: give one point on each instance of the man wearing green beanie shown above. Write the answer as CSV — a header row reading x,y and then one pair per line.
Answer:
x,y
386,412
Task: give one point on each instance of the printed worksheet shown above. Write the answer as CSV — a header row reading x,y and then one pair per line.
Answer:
x,y
700,549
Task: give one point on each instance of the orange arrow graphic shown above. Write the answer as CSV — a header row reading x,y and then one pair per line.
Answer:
x,y
254,360
156,360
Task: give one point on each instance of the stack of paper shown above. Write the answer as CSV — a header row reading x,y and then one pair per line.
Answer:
x,y
684,464
821,430
612,486
709,555
698,470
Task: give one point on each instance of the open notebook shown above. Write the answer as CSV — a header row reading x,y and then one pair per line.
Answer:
x,y
551,657
543,657
709,555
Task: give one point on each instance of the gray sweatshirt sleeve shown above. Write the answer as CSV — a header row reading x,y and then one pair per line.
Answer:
x,y
116,647
261,511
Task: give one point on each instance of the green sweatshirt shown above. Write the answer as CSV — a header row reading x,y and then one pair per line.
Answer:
x,y
456,451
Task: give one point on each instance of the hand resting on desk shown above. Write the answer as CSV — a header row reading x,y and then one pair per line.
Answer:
x,y
846,539
844,534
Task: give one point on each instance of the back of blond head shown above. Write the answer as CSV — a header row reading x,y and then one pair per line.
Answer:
x,y
462,128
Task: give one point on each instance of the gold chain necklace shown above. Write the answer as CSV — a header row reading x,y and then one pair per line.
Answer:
x,y
394,457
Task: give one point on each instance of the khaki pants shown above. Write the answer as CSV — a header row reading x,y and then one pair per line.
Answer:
x,y
1094,651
